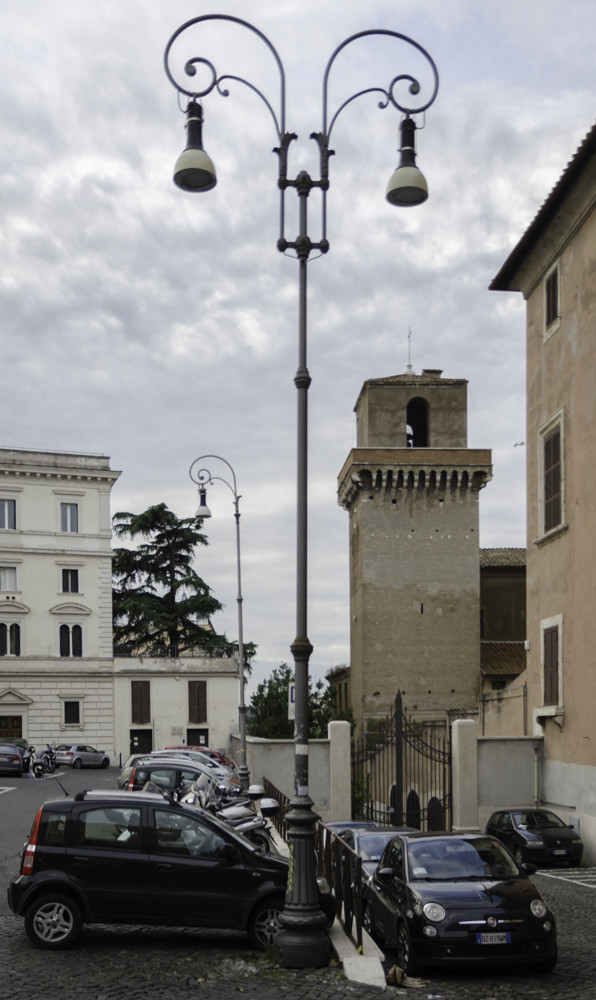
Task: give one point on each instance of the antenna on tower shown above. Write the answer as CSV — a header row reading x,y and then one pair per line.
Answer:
x,y
409,345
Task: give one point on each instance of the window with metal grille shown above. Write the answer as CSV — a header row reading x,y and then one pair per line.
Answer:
x,y
551,665
72,713
197,701
140,696
551,292
552,480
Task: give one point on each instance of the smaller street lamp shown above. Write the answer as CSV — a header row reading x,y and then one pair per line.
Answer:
x,y
203,478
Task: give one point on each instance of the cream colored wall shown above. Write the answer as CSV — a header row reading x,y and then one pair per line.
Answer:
x,y
562,378
169,699
35,684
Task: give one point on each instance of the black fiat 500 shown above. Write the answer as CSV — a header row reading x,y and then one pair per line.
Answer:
x,y
536,835
138,858
457,899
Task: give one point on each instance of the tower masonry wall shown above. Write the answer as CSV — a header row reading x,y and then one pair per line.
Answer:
x,y
415,600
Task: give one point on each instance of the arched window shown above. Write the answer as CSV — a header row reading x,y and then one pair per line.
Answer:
x,y
417,423
10,639
71,640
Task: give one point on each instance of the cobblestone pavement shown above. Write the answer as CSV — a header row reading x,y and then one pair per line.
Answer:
x,y
154,964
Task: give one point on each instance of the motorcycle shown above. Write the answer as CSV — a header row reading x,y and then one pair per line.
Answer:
x,y
42,762
240,814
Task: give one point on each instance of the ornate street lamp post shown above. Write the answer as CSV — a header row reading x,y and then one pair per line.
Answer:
x,y
303,942
203,478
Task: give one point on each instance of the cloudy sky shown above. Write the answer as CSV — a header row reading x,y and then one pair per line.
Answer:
x,y
155,326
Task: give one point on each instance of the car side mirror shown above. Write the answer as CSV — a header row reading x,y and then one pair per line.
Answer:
x,y
229,854
385,872
529,868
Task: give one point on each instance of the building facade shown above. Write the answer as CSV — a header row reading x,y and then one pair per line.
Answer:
x,y
411,489
554,267
59,681
56,597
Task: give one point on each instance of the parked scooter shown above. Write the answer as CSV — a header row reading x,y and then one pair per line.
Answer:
x,y
241,815
42,762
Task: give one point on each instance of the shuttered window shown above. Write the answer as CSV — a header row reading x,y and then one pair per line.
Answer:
x,y
197,701
552,297
141,701
552,480
551,666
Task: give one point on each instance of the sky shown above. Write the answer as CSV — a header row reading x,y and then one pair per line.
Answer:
x,y
155,326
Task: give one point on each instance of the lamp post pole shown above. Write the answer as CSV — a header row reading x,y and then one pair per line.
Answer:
x,y
303,942
203,478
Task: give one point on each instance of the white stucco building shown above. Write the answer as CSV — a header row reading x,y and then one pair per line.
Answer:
x,y
59,681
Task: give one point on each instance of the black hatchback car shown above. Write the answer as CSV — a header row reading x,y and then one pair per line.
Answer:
x,y
447,899
138,858
536,835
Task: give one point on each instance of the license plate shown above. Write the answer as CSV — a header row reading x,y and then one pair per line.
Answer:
x,y
559,852
496,937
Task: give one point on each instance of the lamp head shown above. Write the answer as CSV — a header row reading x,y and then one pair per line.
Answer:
x,y
194,170
407,185
202,510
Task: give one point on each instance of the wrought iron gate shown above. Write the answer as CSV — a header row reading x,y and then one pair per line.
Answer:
x,y
401,772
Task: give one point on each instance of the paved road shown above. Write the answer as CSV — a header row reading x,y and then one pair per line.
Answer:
x,y
123,963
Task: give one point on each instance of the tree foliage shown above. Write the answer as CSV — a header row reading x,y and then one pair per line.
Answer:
x,y
158,598
268,715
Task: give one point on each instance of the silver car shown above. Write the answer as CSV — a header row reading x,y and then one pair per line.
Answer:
x,y
11,761
81,755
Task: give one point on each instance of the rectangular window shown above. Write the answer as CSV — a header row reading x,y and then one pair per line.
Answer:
x,y
69,517
70,581
551,665
72,713
140,696
8,578
551,297
8,514
552,480
197,701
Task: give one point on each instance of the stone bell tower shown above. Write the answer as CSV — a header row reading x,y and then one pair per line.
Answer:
x,y
411,489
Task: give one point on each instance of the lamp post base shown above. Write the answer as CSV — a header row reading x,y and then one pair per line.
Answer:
x,y
244,775
303,942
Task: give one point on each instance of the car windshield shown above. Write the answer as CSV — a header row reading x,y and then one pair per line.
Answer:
x,y
537,819
454,858
370,848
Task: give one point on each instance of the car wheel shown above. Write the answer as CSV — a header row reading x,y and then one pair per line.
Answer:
x,y
367,921
405,954
53,921
519,855
264,925
77,762
105,762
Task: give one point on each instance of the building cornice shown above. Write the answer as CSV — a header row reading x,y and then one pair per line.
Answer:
x,y
396,470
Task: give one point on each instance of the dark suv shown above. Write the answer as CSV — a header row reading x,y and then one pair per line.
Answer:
x,y
138,858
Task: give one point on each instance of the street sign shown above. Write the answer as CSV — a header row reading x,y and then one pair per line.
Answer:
x,y
291,700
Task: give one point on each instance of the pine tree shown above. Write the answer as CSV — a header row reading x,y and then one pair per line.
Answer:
x,y
268,715
159,601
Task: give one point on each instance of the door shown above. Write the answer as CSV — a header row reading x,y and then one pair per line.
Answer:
x,y
192,881
11,726
106,856
141,740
